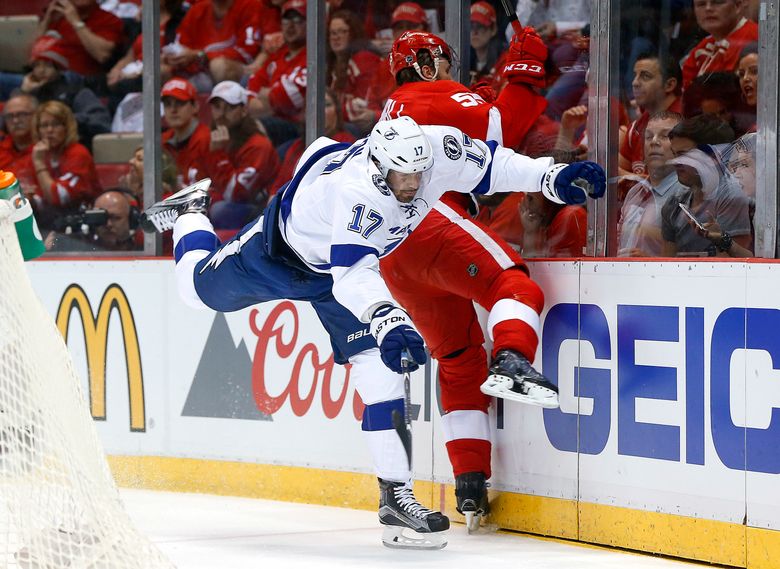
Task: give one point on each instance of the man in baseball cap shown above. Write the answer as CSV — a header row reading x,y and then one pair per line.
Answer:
x,y
242,162
186,139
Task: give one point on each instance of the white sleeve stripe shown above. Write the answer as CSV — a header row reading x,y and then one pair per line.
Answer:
x,y
509,309
495,131
293,92
491,246
469,424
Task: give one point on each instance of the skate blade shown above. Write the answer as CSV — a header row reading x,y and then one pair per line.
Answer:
x,y
501,386
472,521
394,538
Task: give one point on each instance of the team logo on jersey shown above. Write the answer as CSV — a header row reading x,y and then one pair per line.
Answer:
x,y
380,184
472,270
452,147
391,134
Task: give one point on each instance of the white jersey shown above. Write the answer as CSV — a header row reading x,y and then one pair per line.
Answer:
x,y
341,217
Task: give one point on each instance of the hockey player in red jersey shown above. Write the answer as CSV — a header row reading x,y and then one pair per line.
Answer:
x,y
454,260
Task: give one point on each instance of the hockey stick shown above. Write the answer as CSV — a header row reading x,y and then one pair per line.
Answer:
x,y
510,11
403,425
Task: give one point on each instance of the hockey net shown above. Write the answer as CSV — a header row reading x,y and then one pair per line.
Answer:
x,y
59,506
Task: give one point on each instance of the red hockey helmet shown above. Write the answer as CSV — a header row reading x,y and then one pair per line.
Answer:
x,y
404,51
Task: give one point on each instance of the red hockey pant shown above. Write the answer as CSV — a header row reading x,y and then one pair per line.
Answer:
x,y
446,264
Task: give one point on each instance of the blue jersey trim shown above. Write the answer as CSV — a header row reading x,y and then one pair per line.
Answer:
x,y
483,186
196,241
347,255
379,416
292,186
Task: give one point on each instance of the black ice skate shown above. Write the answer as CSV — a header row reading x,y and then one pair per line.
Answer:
x,y
162,215
512,377
472,498
399,510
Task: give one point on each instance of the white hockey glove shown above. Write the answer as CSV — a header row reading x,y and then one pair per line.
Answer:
x,y
572,183
395,333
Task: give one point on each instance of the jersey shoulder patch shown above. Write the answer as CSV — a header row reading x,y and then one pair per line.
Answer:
x,y
452,147
380,184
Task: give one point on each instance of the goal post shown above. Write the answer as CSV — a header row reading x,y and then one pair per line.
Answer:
x,y
59,506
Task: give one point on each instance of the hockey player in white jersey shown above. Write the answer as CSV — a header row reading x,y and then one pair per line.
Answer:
x,y
320,240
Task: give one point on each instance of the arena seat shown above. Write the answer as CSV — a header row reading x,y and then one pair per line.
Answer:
x,y
17,34
109,174
115,147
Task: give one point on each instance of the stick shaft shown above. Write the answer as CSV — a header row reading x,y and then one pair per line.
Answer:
x,y
510,11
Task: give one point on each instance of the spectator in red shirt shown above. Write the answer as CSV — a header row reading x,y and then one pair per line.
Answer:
x,y
86,35
278,88
216,38
729,32
59,175
242,162
657,87
352,65
17,141
186,139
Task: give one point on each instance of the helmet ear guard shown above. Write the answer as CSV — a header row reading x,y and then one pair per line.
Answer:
x,y
400,145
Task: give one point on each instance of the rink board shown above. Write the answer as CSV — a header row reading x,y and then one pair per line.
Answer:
x,y
666,439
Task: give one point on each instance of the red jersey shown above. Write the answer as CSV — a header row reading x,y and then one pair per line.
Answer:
x,y
75,178
239,175
235,36
507,120
10,156
718,55
633,146
102,23
285,76
190,155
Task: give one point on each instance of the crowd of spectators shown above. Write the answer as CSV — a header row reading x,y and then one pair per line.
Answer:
x,y
233,106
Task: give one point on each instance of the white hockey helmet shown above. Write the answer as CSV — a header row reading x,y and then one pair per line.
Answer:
x,y
400,145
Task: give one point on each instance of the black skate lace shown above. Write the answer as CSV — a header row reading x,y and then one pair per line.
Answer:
x,y
405,498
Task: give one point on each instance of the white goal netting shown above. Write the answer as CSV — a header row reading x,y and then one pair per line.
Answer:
x,y
59,506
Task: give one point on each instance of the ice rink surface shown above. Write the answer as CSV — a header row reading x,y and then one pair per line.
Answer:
x,y
198,531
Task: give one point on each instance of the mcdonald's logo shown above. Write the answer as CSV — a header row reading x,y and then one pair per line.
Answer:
x,y
95,327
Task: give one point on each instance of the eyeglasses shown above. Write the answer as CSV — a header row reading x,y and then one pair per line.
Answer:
x,y
45,125
296,20
18,116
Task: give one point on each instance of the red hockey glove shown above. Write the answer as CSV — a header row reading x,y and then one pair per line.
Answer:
x,y
525,59
484,90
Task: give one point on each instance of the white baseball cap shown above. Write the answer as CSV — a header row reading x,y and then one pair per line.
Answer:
x,y
230,92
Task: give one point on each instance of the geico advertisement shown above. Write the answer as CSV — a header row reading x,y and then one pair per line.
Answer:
x,y
667,373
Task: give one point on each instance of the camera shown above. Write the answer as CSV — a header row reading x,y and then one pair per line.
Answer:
x,y
84,221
